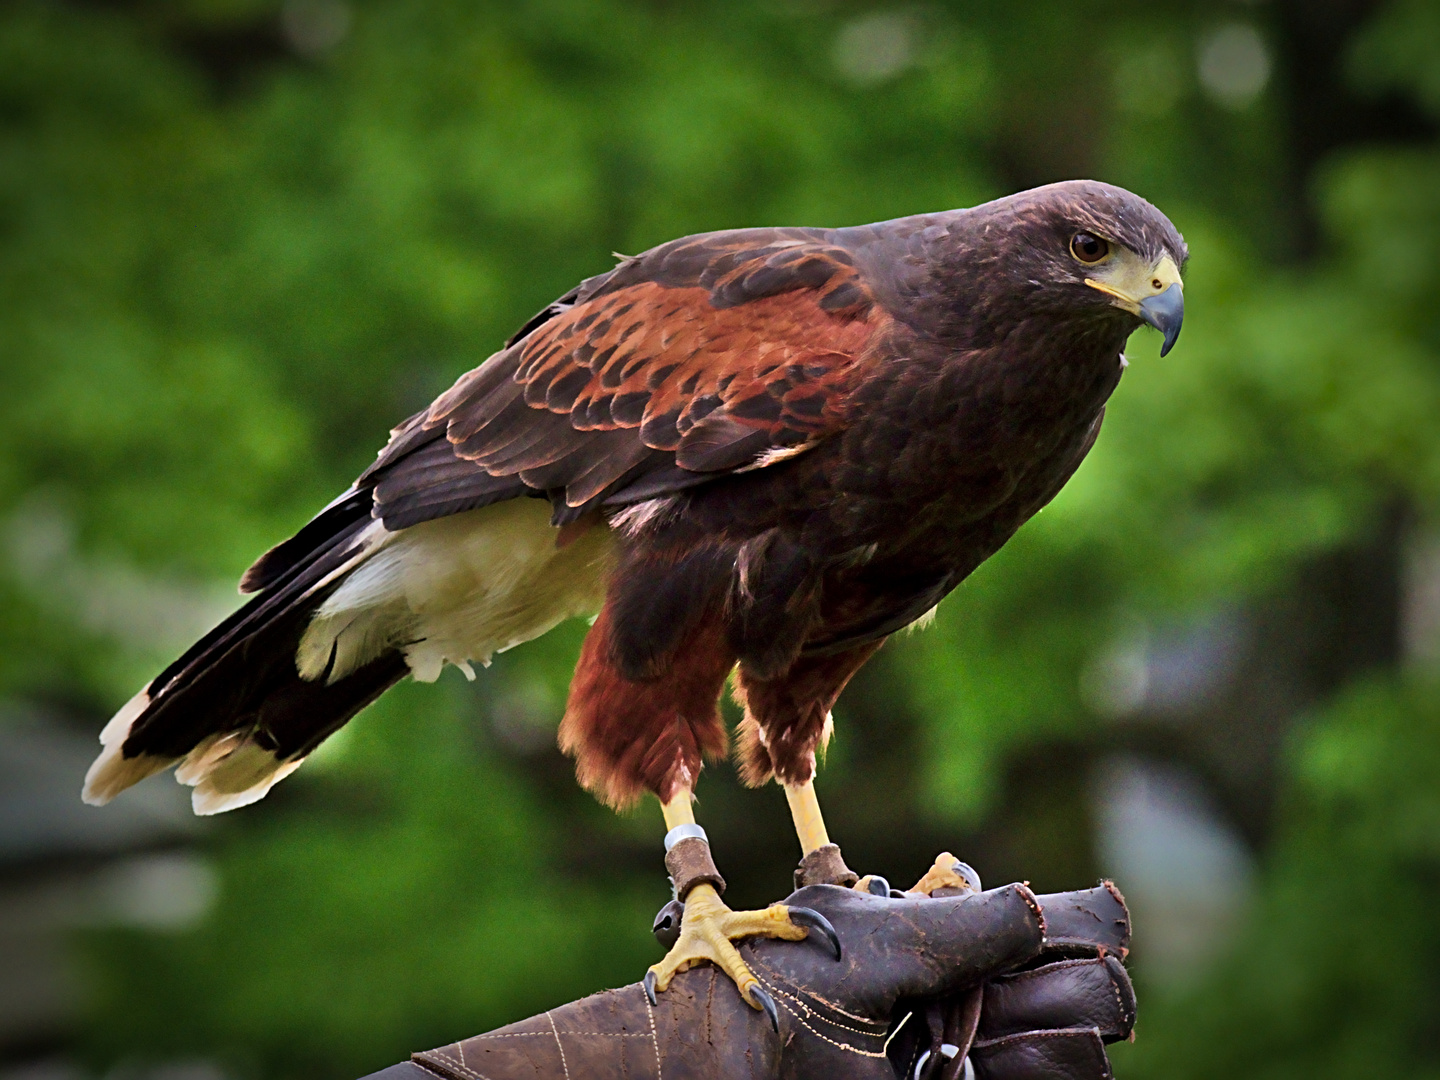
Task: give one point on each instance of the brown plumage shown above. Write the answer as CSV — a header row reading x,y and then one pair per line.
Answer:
x,y
766,449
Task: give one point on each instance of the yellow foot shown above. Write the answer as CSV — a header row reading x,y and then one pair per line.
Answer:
x,y
950,874
873,884
709,927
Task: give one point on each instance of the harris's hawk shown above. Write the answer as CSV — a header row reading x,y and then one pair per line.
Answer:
x,y
760,451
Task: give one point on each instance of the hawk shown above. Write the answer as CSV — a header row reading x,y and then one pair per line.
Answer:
x,y
754,453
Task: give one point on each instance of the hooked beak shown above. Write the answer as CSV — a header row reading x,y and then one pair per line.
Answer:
x,y
1152,294
1165,313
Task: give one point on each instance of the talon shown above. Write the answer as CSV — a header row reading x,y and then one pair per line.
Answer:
x,y
760,999
812,919
710,929
972,878
948,874
875,885
650,988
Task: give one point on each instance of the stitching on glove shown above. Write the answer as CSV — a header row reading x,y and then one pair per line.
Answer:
x,y
459,1065
825,1019
546,1034
819,1035
1029,896
914,1059
755,962
1120,1010
654,1036
556,1031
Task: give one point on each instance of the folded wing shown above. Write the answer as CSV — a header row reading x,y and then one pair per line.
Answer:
x,y
706,357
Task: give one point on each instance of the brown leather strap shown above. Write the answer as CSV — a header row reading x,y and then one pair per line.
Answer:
x,y
824,866
690,864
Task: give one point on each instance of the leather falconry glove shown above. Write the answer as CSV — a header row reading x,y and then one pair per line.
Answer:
x,y
940,983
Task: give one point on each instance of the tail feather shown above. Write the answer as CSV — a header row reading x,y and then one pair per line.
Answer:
x,y
229,771
315,535
233,711
340,618
298,580
112,772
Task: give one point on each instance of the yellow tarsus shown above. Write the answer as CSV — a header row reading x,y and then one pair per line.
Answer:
x,y
678,811
809,823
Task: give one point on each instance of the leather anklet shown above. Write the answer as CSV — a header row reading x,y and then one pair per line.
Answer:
x,y
687,857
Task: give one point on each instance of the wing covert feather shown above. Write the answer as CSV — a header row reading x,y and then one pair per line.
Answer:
x,y
691,361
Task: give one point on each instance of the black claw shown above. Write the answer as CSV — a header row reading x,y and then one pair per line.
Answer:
x,y
813,920
878,886
650,987
767,1003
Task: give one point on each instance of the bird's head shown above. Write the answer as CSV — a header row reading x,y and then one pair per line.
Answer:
x,y
1081,251
1107,248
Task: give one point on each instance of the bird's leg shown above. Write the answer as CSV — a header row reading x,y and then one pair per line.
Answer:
x,y
821,862
708,927
805,811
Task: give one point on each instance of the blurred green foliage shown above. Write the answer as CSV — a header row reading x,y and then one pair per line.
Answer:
x,y
238,242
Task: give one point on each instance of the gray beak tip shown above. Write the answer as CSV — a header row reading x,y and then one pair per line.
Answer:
x,y
1165,313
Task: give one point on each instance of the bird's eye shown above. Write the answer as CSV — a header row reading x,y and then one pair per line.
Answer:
x,y
1088,248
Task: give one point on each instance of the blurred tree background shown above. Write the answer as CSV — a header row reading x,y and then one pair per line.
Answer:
x,y
239,239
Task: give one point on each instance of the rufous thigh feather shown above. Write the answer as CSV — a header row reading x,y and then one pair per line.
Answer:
x,y
787,718
631,736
